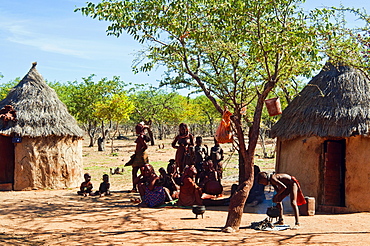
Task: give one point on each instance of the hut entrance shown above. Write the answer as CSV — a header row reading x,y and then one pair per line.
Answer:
x,y
6,163
334,173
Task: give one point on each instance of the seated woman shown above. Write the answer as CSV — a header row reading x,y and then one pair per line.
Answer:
x,y
208,179
190,192
257,193
151,193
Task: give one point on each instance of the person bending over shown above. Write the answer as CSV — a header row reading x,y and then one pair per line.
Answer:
x,y
284,185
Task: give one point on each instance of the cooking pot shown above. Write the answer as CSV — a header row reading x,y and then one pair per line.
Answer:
x,y
199,210
273,212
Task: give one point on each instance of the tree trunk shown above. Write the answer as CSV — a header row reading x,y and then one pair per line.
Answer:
x,y
238,200
262,137
91,141
91,131
112,139
101,140
101,144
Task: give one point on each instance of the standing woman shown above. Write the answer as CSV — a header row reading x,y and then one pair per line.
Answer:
x,y
140,158
183,142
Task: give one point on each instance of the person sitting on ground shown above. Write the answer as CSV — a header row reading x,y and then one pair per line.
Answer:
x,y
86,186
257,193
208,179
190,192
284,185
168,183
152,194
104,187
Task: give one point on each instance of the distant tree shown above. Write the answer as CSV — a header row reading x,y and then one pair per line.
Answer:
x,y
155,106
81,97
152,106
205,114
6,87
116,109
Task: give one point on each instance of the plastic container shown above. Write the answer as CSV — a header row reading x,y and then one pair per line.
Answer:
x,y
273,106
308,209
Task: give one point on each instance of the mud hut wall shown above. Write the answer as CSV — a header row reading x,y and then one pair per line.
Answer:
x,y
357,180
300,157
48,162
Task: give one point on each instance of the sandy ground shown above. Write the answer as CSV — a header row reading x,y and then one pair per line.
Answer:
x,y
60,217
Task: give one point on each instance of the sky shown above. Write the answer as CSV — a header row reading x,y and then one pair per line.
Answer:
x,y
69,46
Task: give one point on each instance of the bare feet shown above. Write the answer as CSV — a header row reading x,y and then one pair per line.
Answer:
x,y
296,226
135,200
228,230
279,222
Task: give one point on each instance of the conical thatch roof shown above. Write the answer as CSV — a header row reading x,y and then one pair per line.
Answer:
x,y
335,103
39,111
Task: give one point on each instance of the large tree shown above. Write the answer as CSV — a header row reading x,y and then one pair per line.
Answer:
x,y
236,52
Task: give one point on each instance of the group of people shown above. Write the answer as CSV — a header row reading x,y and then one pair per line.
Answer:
x,y
194,171
86,188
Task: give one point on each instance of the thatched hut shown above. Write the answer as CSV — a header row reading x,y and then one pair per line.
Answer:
x,y
323,139
40,142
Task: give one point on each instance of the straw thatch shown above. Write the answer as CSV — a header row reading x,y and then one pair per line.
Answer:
x,y
39,111
336,103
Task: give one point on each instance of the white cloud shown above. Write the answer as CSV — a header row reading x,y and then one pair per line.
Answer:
x,y
52,37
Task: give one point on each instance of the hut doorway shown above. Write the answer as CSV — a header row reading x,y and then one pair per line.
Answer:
x,y
6,163
333,174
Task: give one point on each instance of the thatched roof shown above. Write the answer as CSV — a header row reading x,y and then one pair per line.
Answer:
x,y
39,112
335,103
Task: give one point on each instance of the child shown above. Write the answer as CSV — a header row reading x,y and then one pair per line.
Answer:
x,y
200,153
172,172
104,186
284,185
217,155
86,186
166,180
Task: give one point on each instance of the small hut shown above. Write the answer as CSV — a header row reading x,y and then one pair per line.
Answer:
x,y
323,139
40,142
